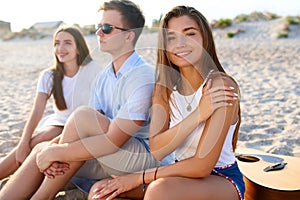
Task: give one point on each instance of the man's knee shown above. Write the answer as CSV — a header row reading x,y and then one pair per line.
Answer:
x,y
37,148
88,121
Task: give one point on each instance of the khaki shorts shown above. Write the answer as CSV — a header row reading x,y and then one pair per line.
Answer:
x,y
133,156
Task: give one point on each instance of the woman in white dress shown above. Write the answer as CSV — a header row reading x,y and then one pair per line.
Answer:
x,y
69,82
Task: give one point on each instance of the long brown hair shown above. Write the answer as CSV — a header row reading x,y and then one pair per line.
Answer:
x,y
168,74
83,58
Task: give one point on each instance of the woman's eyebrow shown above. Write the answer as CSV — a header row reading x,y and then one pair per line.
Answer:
x,y
189,28
185,29
67,40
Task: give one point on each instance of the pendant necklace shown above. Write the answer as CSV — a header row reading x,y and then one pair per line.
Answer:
x,y
188,106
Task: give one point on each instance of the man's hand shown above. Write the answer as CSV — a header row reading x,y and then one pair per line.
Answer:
x,y
56,169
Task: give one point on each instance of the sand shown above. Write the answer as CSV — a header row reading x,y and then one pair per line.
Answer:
x,y
266,68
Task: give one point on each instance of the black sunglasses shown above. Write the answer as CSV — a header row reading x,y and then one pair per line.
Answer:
x,y
107,28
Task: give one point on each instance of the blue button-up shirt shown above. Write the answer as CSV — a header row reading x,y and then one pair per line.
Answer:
x,y
126,94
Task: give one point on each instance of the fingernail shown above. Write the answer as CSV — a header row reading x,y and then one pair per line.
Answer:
x,y
95,190
95,196
235,94
232,88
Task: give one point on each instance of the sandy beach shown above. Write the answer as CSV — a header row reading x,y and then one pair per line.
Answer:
x,y
266,68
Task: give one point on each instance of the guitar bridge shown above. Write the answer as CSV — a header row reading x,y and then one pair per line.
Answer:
x,y
277,166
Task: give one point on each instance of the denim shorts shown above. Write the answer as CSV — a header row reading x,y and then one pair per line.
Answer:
x,y
233,174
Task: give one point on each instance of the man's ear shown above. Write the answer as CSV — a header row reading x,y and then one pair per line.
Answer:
x,y
130,36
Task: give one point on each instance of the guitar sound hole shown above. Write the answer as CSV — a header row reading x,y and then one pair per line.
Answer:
x,y
246,158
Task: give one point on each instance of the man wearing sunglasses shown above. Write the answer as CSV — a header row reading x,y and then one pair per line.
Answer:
x,y
110,139
123,95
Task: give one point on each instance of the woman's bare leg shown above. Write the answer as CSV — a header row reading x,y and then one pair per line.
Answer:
x,y
212,187
25,181
9,165
46,134
83,123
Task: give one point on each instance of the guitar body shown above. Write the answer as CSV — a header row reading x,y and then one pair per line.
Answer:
x,y
273,185
258,192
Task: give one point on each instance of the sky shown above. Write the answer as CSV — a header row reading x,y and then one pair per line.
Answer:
x,y
24,13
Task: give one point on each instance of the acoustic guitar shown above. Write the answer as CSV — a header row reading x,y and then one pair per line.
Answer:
x,y
263,180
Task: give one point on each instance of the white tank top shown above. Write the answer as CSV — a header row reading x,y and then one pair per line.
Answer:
x,y
178,105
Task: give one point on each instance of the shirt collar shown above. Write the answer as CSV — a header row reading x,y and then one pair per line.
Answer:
x,y
132,61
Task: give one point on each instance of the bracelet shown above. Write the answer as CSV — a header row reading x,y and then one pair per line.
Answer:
x,y
155,173
144,184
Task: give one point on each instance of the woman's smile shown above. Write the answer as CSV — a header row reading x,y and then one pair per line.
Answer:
x,y
183,53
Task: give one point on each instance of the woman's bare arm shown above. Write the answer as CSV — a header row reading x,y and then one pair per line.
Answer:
x,y
164,140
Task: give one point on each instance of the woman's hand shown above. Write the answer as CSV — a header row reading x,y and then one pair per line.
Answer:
x,y
214,97
116,186
22,152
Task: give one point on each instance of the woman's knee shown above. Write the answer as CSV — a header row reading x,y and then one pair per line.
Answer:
x,y
94,188
46,134
159,189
